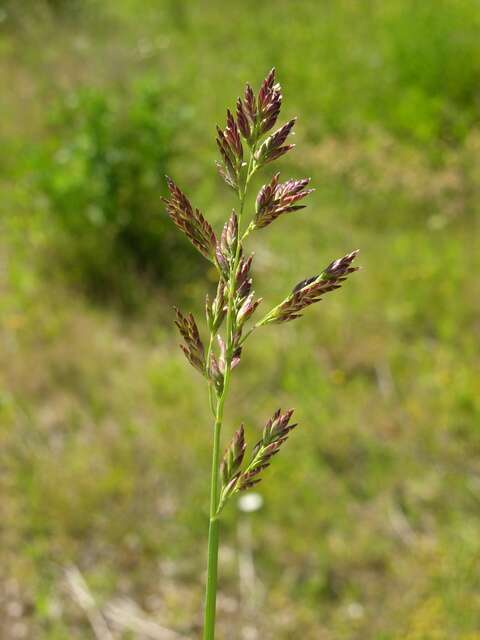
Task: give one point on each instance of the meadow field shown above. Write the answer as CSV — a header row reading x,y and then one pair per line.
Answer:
x,y
370,524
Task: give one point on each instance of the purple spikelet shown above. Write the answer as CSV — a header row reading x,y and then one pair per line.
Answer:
x,y
273,147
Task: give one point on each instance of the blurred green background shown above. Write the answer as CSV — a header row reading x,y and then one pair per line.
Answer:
x,y
370,527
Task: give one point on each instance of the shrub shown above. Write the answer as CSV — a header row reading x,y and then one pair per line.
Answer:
x,y
101,176
17,12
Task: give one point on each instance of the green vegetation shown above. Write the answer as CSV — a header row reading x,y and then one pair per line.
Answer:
x,y
102,174
104,450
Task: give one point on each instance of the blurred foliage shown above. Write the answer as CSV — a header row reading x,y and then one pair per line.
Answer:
x,y
370,527
408,67
16,13
102,173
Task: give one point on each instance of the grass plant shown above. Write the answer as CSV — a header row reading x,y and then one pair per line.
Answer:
x,y
235,304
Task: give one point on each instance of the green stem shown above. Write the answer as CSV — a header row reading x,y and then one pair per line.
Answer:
x,y
248,231
211,391
212,573
214,526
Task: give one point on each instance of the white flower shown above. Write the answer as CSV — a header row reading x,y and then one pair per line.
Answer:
x,y
250,502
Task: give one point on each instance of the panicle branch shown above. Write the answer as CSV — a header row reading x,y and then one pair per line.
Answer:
x,y
190,220
230,467
312,289
234,479
193,346
275,433
276,198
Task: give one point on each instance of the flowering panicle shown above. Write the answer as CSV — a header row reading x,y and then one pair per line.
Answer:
x,y
246,144
276,198
312,289
193,347
190,221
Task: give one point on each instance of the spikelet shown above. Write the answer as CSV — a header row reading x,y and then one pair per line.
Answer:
x,y
273,147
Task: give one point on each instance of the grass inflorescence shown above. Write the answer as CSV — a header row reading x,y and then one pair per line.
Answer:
x,y
235,303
